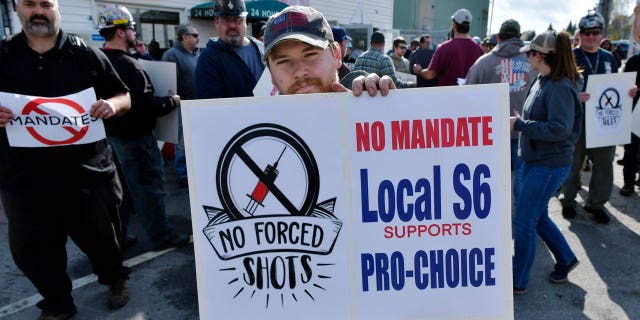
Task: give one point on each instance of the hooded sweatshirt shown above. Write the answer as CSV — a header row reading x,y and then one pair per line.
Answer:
x,y
505,64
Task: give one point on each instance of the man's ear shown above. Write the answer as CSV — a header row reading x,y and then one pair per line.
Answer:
x,y
337,56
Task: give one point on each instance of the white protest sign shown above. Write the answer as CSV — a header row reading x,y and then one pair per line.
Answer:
x,y
264,87
406,77
608,111
49,122
375,203
164,78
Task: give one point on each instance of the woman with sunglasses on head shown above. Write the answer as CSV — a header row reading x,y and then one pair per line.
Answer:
x,y
549,127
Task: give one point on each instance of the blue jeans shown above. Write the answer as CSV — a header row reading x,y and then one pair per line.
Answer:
x,y
180,161
537,186
141,167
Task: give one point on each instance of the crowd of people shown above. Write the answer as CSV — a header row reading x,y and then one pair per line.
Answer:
x,y
110,179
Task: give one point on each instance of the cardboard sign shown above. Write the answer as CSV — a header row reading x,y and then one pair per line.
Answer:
x,y
264,87
50,122
378,208
164,78
406,77
608,111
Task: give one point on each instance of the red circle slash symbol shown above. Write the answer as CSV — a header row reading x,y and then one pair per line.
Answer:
x,y
76,135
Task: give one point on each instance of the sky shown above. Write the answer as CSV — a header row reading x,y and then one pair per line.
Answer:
x,y
536,15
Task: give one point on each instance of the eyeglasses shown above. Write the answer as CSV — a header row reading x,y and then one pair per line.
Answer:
x,y
592,33
229,20
195,35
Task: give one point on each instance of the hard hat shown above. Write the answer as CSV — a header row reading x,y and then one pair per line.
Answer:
x,y
113,16
591,20
229,8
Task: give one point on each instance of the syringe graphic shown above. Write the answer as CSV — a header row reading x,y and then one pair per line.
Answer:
x,y
261,190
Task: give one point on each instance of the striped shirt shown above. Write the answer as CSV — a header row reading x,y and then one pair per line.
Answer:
x,y
375,61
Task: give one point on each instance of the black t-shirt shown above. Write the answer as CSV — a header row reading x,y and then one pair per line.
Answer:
x,y
63,70
633,64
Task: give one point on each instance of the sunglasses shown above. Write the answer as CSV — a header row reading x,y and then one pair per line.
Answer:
x,y
592,33
403,48
195,35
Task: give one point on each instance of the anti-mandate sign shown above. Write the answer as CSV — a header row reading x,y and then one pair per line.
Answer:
x,y
329,206
50,122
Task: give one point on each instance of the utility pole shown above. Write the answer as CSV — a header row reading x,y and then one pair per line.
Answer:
x,y
605,10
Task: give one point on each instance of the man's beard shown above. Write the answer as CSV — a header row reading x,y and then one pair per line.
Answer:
x,y
131,43
235,41
40,29
309,81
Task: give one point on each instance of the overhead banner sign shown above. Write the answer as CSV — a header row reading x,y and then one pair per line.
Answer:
x,y
51,122
329,206
608,111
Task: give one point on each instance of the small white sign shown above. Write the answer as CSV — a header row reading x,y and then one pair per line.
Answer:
x,y
608,112
50,122
164,78
264,87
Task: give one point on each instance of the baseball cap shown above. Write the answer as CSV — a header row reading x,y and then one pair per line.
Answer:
x,y
543,43
462,16
339,34
303,24
509,29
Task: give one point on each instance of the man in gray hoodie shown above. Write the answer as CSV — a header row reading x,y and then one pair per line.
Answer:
x,y
506,64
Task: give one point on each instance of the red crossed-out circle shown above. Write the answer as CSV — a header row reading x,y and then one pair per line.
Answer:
x,y
34,105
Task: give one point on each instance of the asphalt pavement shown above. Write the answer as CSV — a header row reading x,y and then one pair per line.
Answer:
x,y
605,285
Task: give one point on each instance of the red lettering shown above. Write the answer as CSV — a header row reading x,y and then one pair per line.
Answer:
x,y
487,130
400,134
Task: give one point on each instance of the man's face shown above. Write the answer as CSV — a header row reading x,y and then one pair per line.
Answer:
x,y
590,39
190,39
426,44
400,49
130,36
39,18
231,30
343,46
297,67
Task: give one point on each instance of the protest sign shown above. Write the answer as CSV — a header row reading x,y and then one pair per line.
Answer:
x,y
608,111
50,122
329,206
406,77
164,78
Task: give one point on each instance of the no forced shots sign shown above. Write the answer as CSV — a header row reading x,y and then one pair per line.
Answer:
x,y
49,122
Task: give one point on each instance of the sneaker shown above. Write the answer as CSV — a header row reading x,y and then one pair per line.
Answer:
x,y
598,215
560,272
176,240
48,315
119,295
627,190
569,212
519,291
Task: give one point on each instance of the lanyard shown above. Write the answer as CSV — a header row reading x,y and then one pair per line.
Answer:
x,y
586,57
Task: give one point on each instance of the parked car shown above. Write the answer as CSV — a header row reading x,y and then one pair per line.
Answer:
x,y
623,47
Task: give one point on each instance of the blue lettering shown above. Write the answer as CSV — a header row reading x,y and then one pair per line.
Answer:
x,y
367,215
366,261
462,212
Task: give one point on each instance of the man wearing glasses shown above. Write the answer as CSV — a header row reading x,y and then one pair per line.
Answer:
x,y
230,65
592,60
400,63
131,135
184,54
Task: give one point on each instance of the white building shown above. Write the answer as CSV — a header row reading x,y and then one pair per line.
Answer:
x,y
157,20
